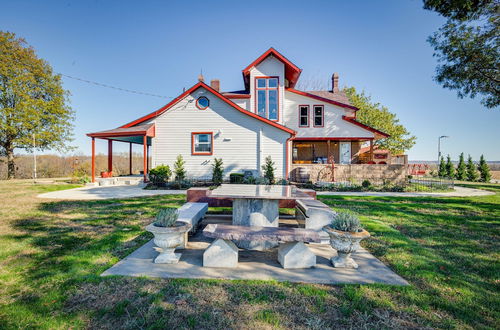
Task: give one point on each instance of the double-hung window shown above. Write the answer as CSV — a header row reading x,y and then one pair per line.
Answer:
x,y
202,143
266,91
303,116
319,115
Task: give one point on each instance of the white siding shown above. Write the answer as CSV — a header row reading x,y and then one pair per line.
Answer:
x,y
269,67
244,103
236,137
334,125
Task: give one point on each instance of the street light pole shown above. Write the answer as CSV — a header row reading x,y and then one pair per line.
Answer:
x,y
439,146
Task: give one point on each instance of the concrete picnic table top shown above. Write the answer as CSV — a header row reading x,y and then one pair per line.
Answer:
x,y
244,233
256,191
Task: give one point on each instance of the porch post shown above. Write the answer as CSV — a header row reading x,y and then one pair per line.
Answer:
x,y
145,160
371,150
130,159
110,155
93,159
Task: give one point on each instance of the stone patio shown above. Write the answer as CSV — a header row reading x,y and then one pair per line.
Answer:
x,y
255,265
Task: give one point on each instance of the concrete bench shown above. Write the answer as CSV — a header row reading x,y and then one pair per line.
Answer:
x,y
192,213
316,215
292,252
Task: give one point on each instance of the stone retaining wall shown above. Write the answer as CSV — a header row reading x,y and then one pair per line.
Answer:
x,y
395,173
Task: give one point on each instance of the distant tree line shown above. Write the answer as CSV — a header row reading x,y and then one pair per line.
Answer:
x,y
464,171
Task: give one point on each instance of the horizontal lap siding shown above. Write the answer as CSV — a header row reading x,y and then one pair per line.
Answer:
x,y
236,143
334,125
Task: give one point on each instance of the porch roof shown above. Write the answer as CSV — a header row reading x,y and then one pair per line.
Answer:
x,y
134,134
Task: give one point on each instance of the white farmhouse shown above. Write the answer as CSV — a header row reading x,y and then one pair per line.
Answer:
x,y
302,131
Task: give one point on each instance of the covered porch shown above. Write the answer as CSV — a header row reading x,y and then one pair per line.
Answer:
x,y
141,135
343,151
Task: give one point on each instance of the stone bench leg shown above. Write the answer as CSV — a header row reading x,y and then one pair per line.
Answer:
x,y
221,253
296,255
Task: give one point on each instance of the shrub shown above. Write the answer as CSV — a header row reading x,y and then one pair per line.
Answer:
x,y
166,217
366,184
179,171
160,175
217,171
346,221
268,169
236,177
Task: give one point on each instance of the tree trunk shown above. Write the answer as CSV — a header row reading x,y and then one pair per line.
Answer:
x,y
11,166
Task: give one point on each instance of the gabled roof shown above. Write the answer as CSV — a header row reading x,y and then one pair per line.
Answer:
x,y
216,93
292,72
320,97
337,96
352,120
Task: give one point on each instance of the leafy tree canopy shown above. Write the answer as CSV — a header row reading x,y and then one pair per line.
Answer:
x,y
467,47
32,101
378,116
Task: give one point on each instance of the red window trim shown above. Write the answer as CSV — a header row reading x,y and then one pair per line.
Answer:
x,y
198,105
322,115
194,153
267,99
308,115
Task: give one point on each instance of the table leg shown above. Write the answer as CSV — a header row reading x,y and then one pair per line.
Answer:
x,y
256,212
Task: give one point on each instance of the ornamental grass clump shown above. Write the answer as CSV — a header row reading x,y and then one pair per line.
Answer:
x,y
166,217
346,221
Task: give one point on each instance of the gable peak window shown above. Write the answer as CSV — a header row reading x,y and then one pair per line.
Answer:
x,y
267,97
202,103
319,115
303,116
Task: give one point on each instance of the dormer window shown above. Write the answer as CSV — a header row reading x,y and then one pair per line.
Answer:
x,y
266,94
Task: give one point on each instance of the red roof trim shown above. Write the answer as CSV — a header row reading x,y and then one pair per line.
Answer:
x,y
150,132
371,129
300,138
216,93
292,74
236,96
316,97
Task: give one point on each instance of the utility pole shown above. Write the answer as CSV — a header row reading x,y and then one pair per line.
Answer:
x,y
34,159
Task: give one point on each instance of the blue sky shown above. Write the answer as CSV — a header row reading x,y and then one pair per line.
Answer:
x,y
159,47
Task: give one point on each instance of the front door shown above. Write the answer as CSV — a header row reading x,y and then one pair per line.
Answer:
x,y
345,152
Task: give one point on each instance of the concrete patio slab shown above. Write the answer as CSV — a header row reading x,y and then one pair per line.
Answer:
x,y
108,192
255,265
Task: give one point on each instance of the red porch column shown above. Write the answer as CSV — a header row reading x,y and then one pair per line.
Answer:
x,y
110,155
93,159
130,159
145,161
371,150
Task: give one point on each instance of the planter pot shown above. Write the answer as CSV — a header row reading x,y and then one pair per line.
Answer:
x,y
168,239
345,243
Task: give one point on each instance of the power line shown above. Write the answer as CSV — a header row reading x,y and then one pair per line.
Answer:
x,y
117,88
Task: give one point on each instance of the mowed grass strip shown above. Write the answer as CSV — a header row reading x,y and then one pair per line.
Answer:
x,y
52,252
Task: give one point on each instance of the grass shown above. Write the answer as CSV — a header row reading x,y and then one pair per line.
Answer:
x,y
52,252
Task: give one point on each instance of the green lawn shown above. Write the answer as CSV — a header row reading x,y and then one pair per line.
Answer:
x,y
52,252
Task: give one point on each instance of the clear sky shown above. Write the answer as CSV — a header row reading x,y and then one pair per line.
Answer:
x,y
159,47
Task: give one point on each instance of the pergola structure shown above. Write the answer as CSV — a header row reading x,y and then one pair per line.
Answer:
x,y
140,134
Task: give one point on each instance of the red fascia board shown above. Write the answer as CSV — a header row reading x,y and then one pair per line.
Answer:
x,y
216,93
150,132
300,138
237,96
316,97
292,72
371,129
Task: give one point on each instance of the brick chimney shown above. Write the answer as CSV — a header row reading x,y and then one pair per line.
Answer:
x,y
215,84
335,82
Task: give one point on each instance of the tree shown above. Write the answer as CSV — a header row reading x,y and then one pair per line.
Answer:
x,y
450,169
442,172
484,170
179,171
268,169
217,171
461,168
379,117
471,170
467,47
33,102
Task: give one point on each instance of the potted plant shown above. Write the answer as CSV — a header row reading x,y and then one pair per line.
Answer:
x,y
169,234
345,235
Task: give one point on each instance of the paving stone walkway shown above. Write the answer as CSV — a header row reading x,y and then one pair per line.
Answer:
x,y
255,265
